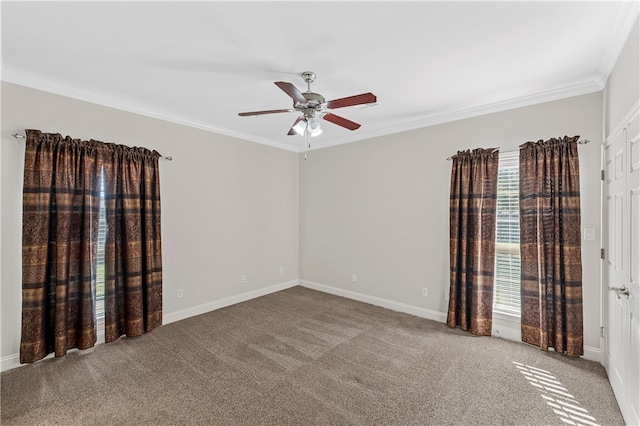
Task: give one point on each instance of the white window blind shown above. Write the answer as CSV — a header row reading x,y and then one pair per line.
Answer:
x,y
506,291
100,266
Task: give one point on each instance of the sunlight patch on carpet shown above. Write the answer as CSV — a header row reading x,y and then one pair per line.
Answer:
x,y
556,396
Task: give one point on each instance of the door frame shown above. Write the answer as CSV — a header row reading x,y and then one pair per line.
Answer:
x,y
605,292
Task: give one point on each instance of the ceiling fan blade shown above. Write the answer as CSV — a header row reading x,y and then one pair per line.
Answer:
x,y
291,131
269,111
364,98
340,121
292,91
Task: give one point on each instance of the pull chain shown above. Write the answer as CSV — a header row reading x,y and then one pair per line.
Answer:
x,y
307,141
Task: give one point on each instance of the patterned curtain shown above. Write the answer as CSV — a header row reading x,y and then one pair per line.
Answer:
x,y
133,250
61,201
472,225
550,245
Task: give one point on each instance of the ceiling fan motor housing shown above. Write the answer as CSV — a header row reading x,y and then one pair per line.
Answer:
x,y
315,102
313,105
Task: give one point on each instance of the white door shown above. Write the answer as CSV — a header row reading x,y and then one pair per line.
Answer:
x,y
621,236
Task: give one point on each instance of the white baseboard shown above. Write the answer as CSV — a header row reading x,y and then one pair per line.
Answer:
x,y
499,330
505,327
592,354
10,362
378,301
223,303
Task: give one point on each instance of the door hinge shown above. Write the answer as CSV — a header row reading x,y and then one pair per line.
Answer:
x,y
601,253
601,174
602,332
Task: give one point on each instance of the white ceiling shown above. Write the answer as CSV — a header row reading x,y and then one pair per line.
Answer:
x,y
200,63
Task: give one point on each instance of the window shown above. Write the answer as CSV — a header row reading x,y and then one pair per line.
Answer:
x,y
54,164
100,266
506,292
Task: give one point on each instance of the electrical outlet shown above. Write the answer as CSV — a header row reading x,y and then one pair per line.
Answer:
x,y
180,293
589,234
243,278
425,291
354,278
282,269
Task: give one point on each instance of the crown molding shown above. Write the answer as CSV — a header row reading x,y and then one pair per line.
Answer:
x,y
627,16
22,79
578,89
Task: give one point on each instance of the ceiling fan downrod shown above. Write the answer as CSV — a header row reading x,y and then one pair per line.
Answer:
x,y
313,106
309,77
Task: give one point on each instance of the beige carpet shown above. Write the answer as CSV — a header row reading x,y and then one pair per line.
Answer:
x,y
302,357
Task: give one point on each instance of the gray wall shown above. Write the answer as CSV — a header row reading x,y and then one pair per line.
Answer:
x,y
622,90
375,208
379,208
229,207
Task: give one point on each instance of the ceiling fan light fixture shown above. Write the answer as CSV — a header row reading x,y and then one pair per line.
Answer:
x,y
299,127
313,127
312,104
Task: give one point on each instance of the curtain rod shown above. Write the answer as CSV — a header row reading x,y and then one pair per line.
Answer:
x,y
19,136
581,142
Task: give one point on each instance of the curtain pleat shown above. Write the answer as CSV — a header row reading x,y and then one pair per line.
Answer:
x,y
61,201
551,265
472,223
61,207
133,250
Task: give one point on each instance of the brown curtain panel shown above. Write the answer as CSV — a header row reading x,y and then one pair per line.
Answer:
x,y
61,201
133,249
472,226
551,312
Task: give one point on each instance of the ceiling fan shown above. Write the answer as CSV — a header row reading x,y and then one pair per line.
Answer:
x,y
313,106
